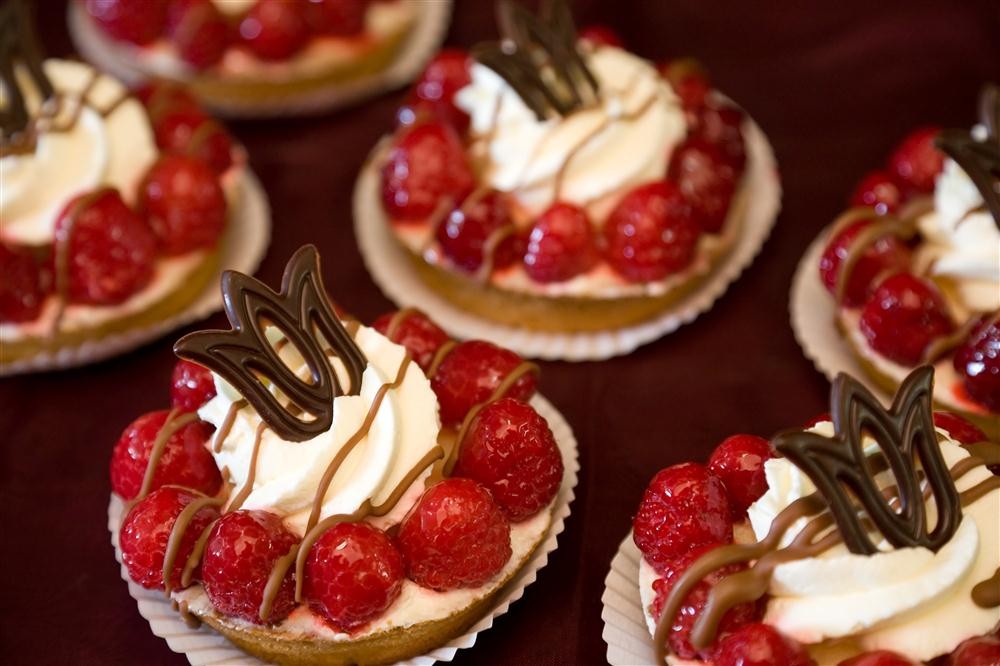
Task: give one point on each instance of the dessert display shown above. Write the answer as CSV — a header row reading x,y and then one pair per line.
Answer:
x,y
913,267
869,537
114,205
258,56
556,182
327,492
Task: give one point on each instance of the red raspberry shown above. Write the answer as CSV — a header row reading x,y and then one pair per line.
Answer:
x,y
561,245
980,651
111,249
274,29
426,164
136,21
760,644
239,556
739,462
163,97
185,461
977,361
650,233
189,131
433,95
469,375
421,337
878,658
887,254
877,190
960,429
455,536
706,179
722,126
510,449
198,31
600,35
146,530
903,316
191,386
24,284
695,602
819,418
689,80
465,231
341,18
352,575
184,204
684,506
916,162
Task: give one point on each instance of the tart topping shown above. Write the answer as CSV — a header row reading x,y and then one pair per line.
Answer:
x,y
433,94
916,162
191,386
878,658
977,362
25,284
760,644
739,462
184,204
198,31
903,317
706,179
561,245
861,251
478,236
274,29
415,331
879,191
342,18
136,21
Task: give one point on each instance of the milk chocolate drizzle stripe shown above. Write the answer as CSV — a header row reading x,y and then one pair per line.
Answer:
x,y
274,581
247,487
227,424
439,357
177,532
174,422
397,320
987,593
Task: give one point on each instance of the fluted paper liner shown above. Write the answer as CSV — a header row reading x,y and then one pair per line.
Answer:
x,y
625,631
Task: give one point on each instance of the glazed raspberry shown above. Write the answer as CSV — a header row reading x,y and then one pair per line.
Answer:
x,y
977,361
184,204
959,428
24,285
722,126
274,29
111,249
903,316
198,31
136,21
885,255
510,449
421,337
191,386
185,461
455,536
979,651
915,163
190,132
878,658
341,18
739,462
760,644
467,231
877,190
650,233
163,97
561,245
426,164
146,530
433,95
706,179
352,575
600,35
239,556
689,80
819,418
469,375
684,506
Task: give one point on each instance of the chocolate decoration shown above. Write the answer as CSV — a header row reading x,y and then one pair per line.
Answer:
x,y
19,46
986,594
247,359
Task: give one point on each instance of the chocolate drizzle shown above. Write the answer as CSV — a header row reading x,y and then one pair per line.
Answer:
x,y
19,45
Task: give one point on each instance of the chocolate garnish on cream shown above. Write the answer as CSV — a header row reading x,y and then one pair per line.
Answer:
x,y
19,46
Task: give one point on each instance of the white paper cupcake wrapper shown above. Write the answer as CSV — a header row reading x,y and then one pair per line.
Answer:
x,y
625,630
423,41
204,647
244,245
395,275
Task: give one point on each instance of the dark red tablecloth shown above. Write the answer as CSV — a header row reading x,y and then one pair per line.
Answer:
x,y
834,85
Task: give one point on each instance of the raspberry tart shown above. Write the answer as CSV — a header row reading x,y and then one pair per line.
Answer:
x,y
391,482
558,183
913,268
250,57
869,537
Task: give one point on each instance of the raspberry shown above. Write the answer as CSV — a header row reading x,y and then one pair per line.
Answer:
x,y
341,18
510,449
184,203
426,164
760,644
455,536
198,32
163,97
903,316
877,190
24,285
561,245
739,462
979,651
722,126
695,602
191,386
146,530
188,131
239,556
136,21
689,80
352,575
684,506
600,35
650,233
886,254
959,428
706,179
433,94
878,658
819,418
111,249
465,232
915,163
185,460
469,375
977,362
421,337
274,29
